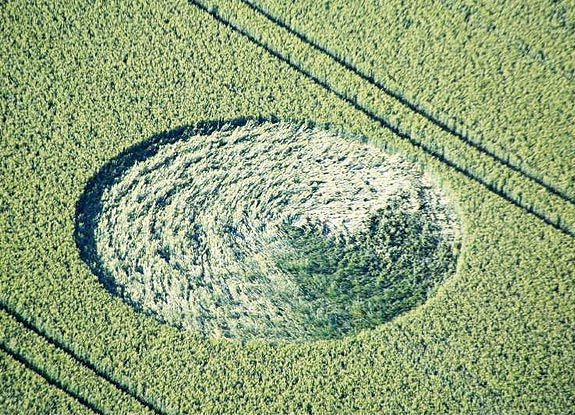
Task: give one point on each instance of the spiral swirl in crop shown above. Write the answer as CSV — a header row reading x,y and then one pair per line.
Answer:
x,y
270,229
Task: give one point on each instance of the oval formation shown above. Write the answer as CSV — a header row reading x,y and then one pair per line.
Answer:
x,y
267,230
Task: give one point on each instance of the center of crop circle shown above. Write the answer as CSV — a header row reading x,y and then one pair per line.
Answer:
x,y
267,230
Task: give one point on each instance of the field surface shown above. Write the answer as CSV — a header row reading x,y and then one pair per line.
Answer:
x,y
478,96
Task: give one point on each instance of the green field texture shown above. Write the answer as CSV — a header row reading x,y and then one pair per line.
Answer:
x,y
82,82
544,42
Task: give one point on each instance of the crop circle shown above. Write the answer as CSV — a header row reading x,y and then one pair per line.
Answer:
x,y
261,229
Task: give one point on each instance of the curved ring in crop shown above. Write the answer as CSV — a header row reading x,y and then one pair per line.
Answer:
x,y
267,229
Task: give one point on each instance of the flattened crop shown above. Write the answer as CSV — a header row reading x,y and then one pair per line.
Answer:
x,y
264,229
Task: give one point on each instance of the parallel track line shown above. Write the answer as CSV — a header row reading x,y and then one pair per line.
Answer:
x,y
79,359
28,364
